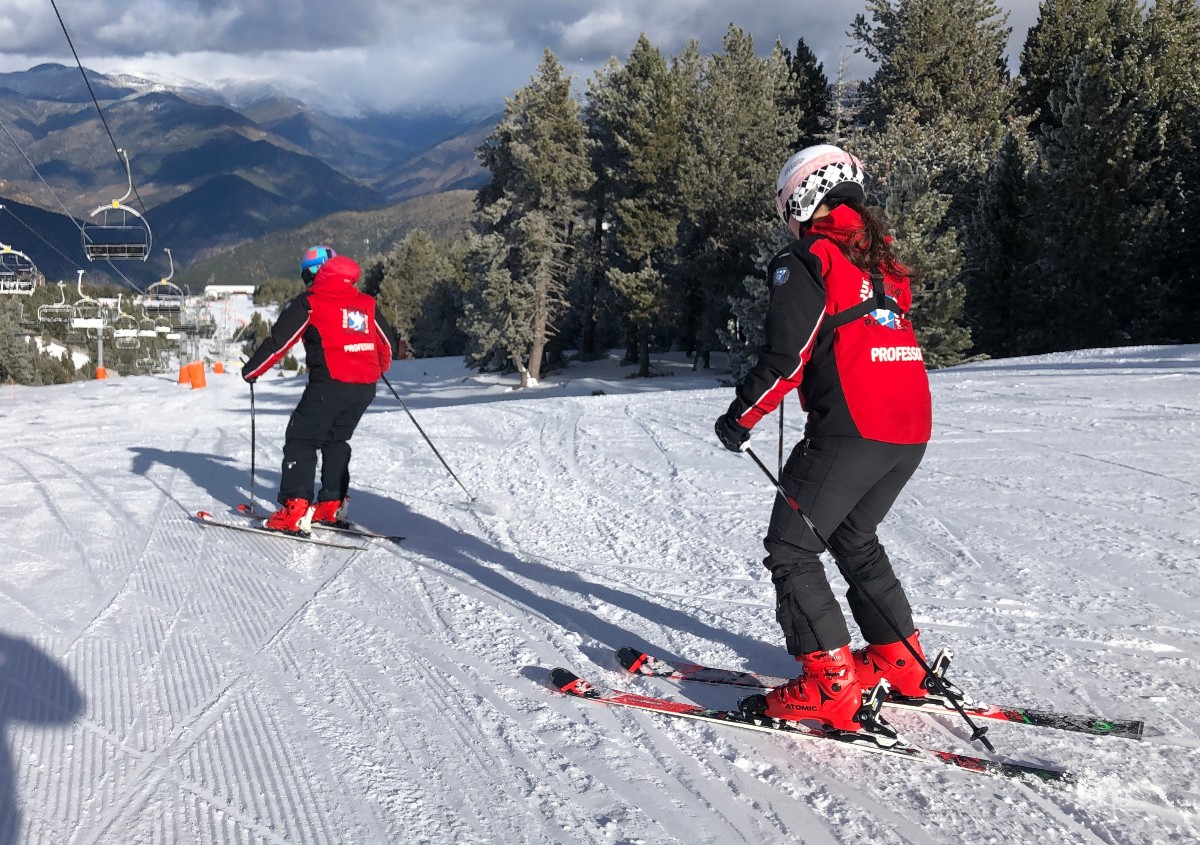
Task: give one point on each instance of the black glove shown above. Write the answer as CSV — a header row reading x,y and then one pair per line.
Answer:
x,y
733,436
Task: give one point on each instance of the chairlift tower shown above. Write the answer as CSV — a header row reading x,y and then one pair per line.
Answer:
x,y
88,315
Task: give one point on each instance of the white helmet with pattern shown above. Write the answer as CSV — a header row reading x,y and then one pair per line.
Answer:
x,y
813,174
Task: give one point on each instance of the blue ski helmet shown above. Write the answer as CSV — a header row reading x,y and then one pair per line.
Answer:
x,y
314,257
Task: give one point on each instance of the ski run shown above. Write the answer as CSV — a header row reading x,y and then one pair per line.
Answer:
x,y
165,681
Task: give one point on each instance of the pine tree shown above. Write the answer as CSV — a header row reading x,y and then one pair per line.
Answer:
x,y
936,112
998,246
926,246
435,331
746,334
936,58
1170,298
635,118
809,95
16,352
532,203
739,137
406,274
1096,211
1062,32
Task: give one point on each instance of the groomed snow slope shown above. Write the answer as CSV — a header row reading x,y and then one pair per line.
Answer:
x,y
163,682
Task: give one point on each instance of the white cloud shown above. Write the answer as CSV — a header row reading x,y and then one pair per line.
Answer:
x,y
390,53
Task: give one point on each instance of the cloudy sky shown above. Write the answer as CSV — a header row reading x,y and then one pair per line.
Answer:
x,y
384,54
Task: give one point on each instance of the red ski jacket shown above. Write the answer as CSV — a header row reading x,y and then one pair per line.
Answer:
x,y
345,337
844,339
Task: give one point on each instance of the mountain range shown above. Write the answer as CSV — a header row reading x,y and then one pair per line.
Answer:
x,y
208,174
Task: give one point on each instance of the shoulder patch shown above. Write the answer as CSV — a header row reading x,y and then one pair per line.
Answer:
x,y
780,276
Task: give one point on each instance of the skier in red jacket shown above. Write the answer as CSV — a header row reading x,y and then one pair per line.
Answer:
x,y
348,346
837,330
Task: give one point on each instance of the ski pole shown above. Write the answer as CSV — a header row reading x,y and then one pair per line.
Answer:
x,y
252,438
780,470
977,733
426,436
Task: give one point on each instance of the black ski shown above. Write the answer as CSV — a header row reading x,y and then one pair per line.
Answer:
x,y
570,684
206,518
640,663
341,528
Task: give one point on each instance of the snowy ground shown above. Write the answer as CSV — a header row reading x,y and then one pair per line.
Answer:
x,y
162,682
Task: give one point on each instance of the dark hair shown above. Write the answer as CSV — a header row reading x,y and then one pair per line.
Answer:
x,y
874,250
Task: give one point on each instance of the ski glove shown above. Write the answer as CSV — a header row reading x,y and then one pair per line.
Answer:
x,y
733,435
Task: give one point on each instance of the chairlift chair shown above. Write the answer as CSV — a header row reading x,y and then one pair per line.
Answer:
x,y
164,298
125,329
147,327
87,314
116,232
58,312
18,273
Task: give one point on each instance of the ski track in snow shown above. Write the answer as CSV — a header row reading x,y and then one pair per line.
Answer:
x,y
166,682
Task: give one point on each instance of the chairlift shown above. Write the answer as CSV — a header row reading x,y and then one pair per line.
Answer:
x,y
87,314
57,312
164,297
116,232
18,273
147,326
125,329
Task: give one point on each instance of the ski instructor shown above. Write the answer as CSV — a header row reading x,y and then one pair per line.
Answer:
x,y
348,346
837,329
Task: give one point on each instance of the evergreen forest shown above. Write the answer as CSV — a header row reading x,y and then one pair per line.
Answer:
x,y
1044,209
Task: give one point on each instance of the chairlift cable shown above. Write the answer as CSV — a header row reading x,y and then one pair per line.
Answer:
x,y
88,83
61,205
39,236
33,166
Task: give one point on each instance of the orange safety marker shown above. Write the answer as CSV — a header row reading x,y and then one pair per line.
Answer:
x,y
197,372
219,367
101,373
185,375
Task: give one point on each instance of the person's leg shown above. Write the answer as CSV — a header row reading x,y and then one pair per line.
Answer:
x,y
855,542
306,431
826,477
353,401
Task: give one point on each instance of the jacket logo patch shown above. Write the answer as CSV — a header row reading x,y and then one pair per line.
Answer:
x,y
887,319
355,321
780,276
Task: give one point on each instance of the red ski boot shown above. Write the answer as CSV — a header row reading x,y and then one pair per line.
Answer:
x,y
829,691
292,518
332,512
894,663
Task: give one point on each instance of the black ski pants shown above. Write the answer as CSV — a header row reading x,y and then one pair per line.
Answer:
x,y
846,486
323,421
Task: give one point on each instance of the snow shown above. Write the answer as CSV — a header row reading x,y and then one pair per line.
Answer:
x,y
164,682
